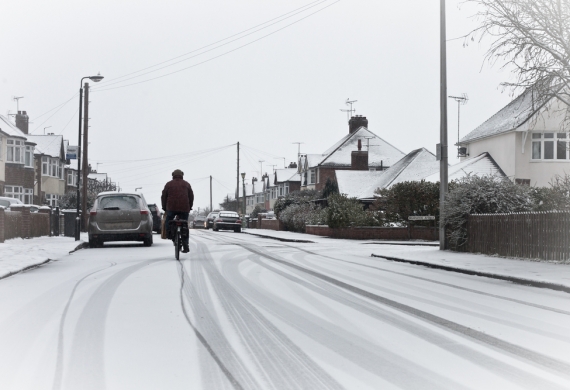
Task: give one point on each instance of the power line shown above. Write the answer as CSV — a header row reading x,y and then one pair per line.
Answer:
x,y
218,56
282,17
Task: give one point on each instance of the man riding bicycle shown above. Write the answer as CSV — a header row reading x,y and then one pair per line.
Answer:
x,y
177,199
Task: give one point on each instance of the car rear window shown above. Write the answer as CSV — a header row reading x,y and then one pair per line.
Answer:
x,y
118,202
228,215
4,203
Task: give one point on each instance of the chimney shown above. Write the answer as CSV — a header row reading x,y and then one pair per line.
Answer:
x,y
359,159
22,121
292,165
356,122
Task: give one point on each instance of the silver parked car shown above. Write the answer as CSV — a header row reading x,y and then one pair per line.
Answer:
x,y
120,216
6,202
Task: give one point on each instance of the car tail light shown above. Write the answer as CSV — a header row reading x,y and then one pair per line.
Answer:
x,y
144,212
219,220
238,221
93,212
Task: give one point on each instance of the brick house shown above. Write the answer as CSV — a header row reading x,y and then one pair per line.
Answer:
x,y
17,170
51,183
345,154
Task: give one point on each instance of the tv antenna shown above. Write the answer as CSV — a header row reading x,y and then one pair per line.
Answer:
x,y
351,110
17,99
461,101
368,142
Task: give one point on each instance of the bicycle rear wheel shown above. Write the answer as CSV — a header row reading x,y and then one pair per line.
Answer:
x,y
177,244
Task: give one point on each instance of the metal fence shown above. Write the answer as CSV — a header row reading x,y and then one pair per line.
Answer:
x,y
539,235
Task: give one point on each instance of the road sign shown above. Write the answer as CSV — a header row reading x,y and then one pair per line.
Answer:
x,y
421,218
71,152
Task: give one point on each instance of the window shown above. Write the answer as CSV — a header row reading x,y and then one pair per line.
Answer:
x,y
61,170
15,151
52,200
29,156
71,178
53,167
286,187
14,192
550,146
45,166
28,196
312,177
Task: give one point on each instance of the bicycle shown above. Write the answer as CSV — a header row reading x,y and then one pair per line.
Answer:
x,y
179,229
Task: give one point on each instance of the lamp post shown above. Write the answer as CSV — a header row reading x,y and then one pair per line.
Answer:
x,y
243,182
138,188
95,79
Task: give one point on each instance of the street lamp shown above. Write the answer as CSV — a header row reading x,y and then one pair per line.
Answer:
x,y
243,181
95,79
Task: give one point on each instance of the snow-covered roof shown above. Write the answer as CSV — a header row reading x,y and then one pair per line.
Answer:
x,y
286,174
380,153
248,190
311,160
357,184
414,166
480,165
10,129
97,176
508,118
49,145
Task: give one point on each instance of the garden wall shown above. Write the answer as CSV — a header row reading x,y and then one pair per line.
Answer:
x,y
376,233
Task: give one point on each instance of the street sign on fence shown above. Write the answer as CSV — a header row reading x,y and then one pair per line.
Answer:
x,y
421,218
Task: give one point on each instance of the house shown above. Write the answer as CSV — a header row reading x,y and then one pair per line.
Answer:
x,y
481,165
315,170
17,163
285,180
51,183
528,139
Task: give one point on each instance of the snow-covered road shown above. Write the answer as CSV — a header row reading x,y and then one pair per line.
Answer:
x,y
243,312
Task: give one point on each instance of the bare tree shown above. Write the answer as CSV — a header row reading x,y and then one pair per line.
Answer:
x,y
532,36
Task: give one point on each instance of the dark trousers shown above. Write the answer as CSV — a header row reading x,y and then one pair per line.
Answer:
x,y
181,215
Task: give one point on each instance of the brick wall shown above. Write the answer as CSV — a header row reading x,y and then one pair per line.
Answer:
x,y
2,224
17,175
271,224
375,233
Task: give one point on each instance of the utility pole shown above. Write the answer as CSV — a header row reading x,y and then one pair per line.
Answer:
x,y
211,194
442,147
237,178
85,161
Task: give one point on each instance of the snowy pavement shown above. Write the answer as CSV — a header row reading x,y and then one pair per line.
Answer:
x,y
245,312
19,254
534,271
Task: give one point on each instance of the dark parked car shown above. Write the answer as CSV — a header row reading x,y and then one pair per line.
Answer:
x,y
119,216
198,222
228,220
209,222
156,217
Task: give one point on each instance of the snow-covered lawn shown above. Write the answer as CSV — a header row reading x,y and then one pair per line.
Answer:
x,y
18,254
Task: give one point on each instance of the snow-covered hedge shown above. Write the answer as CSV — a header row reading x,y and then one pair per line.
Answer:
x,y
343,211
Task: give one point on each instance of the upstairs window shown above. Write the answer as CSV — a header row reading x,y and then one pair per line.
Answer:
x,y
29,156
45,166
550,146
15,151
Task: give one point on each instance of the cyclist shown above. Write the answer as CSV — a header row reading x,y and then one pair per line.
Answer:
x,y
177,199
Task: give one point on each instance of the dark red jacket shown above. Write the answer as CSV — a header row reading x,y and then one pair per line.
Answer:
x,y
177,195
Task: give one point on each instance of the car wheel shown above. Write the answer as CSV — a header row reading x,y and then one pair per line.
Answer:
x,y
148,241
237,230
93,243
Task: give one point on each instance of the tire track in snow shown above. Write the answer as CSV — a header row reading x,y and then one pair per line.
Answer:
x,y
280,362
86,369
534,358
565,312
59,360
375,359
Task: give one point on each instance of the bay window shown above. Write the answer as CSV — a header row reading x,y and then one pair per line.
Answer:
x,y
45,166
29,156
28,196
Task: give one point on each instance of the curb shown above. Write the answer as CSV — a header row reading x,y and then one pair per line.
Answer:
x,y
25,269
83,245
281,239
404,243
513,279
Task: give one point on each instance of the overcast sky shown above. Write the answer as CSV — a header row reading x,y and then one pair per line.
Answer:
x,y
285,82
